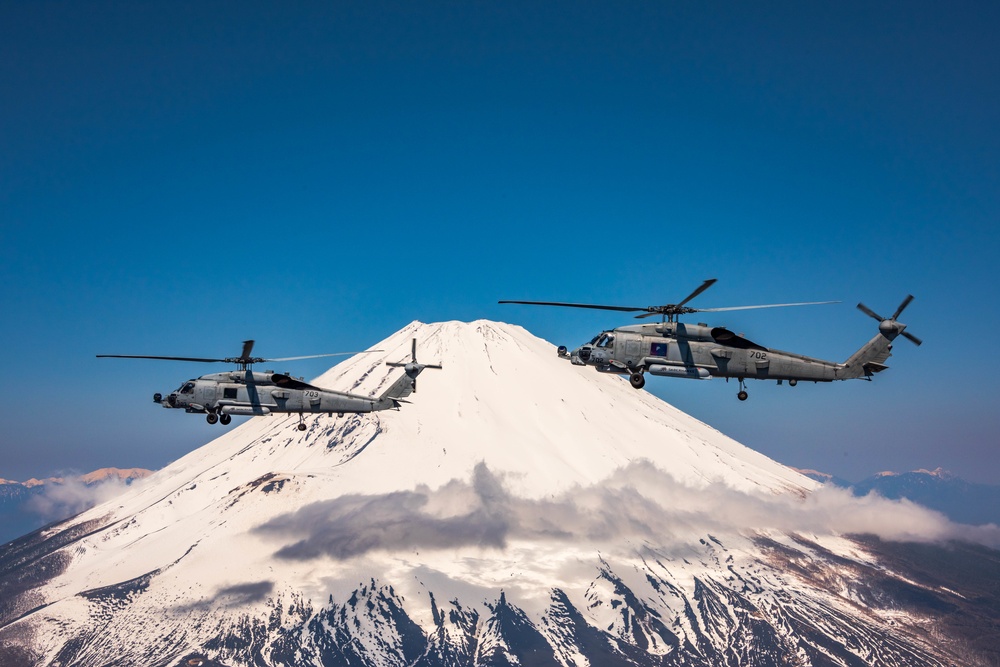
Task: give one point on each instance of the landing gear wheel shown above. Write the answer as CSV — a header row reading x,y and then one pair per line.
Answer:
x,y
224,419
211,417
637,380
742,395
302,426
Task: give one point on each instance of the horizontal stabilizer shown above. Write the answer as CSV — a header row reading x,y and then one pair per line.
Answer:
x,y
873,367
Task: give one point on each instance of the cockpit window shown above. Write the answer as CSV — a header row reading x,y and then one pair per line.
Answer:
x,y
593,341
187,388
605,340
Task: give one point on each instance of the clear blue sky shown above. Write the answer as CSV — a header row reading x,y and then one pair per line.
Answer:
x,y
177,177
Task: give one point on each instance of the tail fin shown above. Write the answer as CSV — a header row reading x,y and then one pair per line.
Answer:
x,y
407,383
870,359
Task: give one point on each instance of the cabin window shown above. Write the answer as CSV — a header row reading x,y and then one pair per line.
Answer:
x,y
658,350
229,392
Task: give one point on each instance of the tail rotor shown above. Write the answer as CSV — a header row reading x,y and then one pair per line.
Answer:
x,y
889,327
412,368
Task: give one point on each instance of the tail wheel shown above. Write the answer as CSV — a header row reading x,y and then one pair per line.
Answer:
x,y
743,395
637,380
302,426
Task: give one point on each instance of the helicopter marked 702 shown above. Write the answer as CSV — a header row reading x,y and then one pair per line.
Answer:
x,y
700,352
219,396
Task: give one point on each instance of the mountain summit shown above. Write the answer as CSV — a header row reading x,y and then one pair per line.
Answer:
x,y
521,511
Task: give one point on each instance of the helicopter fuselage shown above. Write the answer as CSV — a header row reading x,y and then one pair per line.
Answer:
x,y
701,352
244,392
247,392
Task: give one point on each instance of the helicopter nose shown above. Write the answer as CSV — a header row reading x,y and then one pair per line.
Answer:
x,y
172,400
583,352
598,357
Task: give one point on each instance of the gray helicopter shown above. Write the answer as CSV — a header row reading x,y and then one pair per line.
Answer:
x,y
220,396
700,352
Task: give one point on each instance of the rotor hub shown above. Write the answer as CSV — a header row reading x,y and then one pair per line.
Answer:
x,y
889,328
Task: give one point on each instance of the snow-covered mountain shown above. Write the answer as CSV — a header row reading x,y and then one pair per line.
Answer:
x,y
520,511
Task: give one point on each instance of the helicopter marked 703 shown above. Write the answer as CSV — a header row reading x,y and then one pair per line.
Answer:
x,y
245,392
700,352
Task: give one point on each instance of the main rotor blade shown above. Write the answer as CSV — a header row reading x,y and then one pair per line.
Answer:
x,y
720,310
902,306
767,305
317,356
704,286
247,348
624,309
143,356
869,312
910,337
668,309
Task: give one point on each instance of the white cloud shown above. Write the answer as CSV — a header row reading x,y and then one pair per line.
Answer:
x,y
638,502
59,501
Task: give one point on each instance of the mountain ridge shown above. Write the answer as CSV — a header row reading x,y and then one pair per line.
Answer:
x,y
92,477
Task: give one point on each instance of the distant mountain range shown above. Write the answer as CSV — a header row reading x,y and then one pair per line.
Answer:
x,y
959,500
27,506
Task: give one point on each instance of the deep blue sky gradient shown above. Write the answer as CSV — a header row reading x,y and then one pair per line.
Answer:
x,y
177,177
